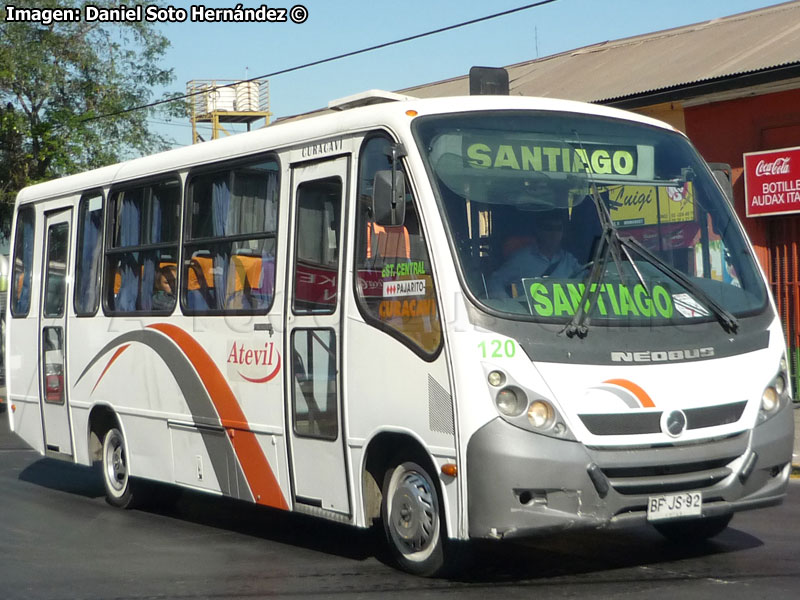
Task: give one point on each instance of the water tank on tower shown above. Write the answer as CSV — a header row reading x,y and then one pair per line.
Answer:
x,y
221,98
247,96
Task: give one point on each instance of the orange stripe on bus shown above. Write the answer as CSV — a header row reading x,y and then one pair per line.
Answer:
x,y
116,355
641,395
251,456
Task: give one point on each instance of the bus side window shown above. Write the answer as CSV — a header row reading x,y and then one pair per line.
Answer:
x,y
143,237
87,269
23,263
395,287
229,252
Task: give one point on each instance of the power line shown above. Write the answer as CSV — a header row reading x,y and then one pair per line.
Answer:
x,y
327,60
173,123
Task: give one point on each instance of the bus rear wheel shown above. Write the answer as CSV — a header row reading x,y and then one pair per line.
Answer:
x,y
693,530
117,481
411,516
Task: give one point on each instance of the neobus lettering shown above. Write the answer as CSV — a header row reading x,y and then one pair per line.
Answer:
x,y
662,355
551,158
558,299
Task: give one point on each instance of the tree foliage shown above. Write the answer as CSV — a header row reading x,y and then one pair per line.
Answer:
x,y
56,79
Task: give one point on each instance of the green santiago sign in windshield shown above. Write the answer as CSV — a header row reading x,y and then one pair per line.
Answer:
x,y
559,298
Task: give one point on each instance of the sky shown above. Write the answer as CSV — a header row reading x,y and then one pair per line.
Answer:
x,y
206,51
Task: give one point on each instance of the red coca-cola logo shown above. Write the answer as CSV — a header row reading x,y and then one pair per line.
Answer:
x,y
779,166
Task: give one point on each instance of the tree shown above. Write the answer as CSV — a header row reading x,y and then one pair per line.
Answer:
x,y
56,79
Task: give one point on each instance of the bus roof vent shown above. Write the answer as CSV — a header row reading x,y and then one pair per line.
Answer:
x,y
367,98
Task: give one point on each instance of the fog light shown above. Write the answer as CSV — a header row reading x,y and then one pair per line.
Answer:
x,y
770,400
496,378
541,414
511,402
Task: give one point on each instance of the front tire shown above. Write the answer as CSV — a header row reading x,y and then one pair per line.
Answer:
x,y
116,478
411,515
693,530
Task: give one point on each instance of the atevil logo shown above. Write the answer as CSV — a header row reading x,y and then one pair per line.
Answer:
x,y
256,364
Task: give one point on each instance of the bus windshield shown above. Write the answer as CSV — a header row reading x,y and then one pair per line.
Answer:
x,y
555,214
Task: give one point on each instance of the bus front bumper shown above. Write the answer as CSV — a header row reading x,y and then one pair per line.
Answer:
x,y
522,484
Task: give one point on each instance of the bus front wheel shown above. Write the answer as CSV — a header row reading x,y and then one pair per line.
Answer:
x,y
411,516
116,478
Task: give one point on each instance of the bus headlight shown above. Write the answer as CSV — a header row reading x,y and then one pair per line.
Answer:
x,y
523,406
776,394
770,400
541,414
511,401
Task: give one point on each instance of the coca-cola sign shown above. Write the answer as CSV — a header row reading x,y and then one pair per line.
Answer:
x,y
772,182
779,166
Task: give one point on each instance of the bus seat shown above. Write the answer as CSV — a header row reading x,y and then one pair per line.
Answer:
x,y
388,241
200,282
244,276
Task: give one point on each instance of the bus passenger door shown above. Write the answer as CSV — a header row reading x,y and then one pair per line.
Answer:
x,y
313,338
52,334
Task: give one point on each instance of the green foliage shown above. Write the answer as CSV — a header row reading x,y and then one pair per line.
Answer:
x,y
56,79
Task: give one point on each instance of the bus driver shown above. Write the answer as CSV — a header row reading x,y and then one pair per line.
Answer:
x,y
542,257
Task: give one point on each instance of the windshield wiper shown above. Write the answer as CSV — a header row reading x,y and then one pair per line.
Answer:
x,y
614,245
725,318
608,246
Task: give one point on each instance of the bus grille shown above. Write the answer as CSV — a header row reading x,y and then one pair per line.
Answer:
x,y
668,468
638,423
662,479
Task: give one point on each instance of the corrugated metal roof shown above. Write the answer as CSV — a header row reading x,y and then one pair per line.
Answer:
x,y
744,43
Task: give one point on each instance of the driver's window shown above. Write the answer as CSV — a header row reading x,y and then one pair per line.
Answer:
x,y
394,285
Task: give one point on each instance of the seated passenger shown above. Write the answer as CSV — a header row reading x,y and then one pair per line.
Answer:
x,y
164,289
542,257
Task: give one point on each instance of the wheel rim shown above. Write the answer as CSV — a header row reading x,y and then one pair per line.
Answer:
x,y
413,514
116,467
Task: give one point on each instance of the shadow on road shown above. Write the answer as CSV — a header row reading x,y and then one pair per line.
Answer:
x,y
271,524
64,477
597,553
602,553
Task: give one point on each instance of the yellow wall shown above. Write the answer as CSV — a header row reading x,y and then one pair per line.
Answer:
x,y
671,112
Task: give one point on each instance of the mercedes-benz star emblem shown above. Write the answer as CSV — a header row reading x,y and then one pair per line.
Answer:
x,y
673,423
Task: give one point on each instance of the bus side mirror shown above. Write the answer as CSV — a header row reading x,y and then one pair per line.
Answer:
x,y
723,175
389,198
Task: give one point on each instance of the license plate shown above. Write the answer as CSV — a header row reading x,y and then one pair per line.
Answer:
x,y
673,506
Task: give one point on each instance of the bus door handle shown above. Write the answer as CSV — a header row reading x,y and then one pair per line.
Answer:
x,y
264,327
